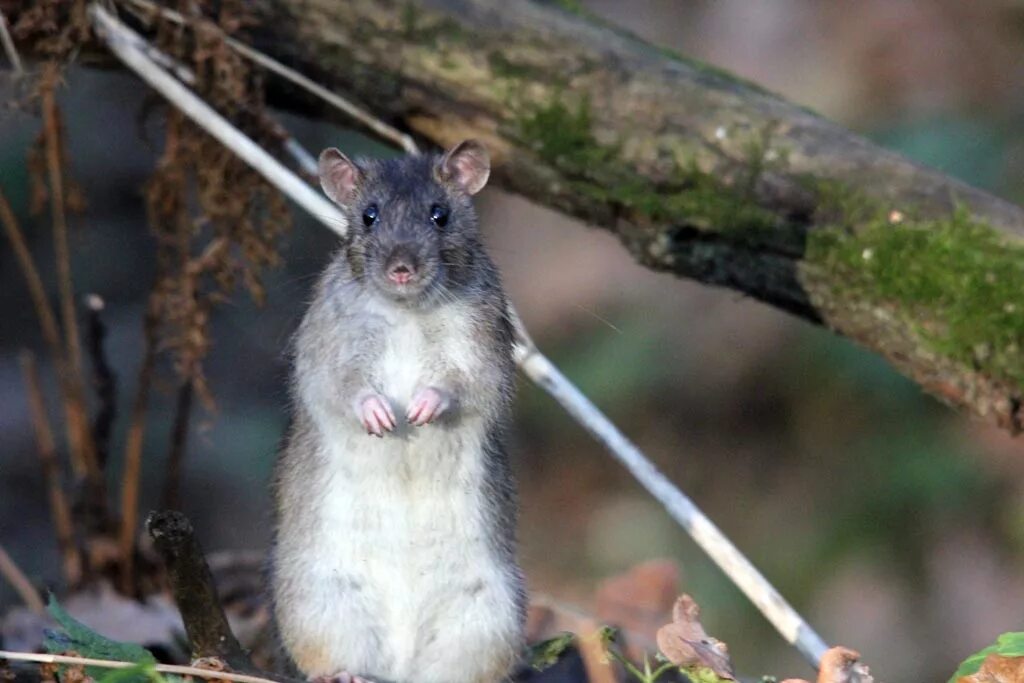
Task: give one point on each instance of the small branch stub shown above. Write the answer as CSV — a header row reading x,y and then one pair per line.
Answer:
x,y
194,592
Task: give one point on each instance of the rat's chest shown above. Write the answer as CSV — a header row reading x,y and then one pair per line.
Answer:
x,y
416,352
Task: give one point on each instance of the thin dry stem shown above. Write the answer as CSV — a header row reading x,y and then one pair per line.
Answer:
x,y
22,586
9,48
112,664
60,509
36,290
133,452
358,114
104,381
82,450
171,497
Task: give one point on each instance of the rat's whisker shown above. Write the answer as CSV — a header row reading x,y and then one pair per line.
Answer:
x,y
598,317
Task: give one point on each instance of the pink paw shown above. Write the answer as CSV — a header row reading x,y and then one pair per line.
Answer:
x,y
427,405
376,415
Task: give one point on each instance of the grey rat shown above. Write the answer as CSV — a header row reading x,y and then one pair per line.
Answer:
x,y
394,556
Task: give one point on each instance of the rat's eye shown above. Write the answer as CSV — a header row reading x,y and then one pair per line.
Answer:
x,y
370,215
439,215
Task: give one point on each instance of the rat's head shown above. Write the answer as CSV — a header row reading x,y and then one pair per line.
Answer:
x,y
413,230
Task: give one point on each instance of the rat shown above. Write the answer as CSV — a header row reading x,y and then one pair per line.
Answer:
x,y
394,556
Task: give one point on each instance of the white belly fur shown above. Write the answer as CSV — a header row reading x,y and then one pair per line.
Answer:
x,y
400,530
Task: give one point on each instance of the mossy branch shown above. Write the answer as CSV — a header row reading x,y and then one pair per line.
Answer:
x,y
698,172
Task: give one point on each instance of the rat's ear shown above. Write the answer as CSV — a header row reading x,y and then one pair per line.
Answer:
x,y
338,176
468,165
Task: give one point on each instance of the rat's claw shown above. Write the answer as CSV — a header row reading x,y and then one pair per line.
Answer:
x,y
428,404
376,415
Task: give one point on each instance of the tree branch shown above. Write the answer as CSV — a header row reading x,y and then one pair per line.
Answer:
x,y
698,173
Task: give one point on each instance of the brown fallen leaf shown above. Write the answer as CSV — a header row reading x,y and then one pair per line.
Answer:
x,y
843,665
997,669
685,643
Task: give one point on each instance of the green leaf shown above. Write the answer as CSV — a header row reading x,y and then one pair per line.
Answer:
x,y
703,674
79,638
547,652
145,671
1008,645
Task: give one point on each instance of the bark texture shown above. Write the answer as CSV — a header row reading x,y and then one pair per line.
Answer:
x,y
698,173
194,592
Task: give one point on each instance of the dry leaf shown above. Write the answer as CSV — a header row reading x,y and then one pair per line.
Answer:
x,y
75,673
843,665
212,664
685,643
997,669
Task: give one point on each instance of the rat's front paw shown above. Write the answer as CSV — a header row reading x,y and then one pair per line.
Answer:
x,y
427,405
376,415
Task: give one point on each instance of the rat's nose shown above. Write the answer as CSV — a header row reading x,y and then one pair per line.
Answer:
x,y
400,273
401,267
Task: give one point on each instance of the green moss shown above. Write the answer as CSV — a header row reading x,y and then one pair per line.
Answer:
x,y
572,6
957,276
425,30
562,135
410,17
503,67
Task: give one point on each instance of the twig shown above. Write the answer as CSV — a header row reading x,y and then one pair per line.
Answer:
x,y
707,535
305,160
36,290
111,664
368,120
171,497
83,455
9,48
59,508
20,583
132,469
74,414
538,368
117,38
196,596
63,526
104,379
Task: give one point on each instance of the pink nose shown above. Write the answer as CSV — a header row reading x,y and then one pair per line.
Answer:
x,y
400,274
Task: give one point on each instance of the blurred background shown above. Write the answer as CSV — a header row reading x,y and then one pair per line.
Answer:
x,y
893,524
